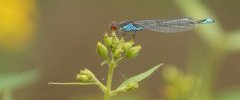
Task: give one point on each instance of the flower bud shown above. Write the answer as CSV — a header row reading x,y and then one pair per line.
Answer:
x,y
127,45
86,72
85,76
133,52
118,52
108,40
116,40
113,34
102,50
120,44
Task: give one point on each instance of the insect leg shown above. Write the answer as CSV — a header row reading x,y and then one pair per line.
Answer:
x,y
134,34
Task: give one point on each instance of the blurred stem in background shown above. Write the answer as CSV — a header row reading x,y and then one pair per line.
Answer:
x,y
17,27
7,94
9,82
205,61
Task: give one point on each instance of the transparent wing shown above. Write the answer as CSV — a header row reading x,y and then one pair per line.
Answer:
x,y
168,25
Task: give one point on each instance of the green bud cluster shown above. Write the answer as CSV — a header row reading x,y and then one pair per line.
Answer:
x,y
85,76
113,50
119,47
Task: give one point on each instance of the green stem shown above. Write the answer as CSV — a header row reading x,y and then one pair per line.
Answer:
x,y
97,82
101,86
71,83
109,81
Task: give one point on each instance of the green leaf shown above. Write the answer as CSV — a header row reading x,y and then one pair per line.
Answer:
x,y
233,94
18,80
138,78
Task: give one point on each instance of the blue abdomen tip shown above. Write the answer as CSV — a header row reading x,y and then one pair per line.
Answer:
x,y
207,21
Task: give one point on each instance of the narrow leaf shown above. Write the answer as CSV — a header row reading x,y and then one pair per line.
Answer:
x,y
139,77
18,80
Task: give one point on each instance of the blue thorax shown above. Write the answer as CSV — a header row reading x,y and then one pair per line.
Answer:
x,y
207,21
130,27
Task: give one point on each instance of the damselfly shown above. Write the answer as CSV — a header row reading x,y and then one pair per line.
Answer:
x,y
161,25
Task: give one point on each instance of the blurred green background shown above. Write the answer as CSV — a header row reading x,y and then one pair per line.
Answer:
x,y
51,40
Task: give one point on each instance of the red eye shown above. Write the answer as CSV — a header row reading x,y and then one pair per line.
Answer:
x,y
114,26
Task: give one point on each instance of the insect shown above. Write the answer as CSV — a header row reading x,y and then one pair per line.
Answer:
x,y
161,25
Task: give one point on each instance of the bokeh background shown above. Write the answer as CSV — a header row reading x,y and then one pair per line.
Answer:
x,y
51,40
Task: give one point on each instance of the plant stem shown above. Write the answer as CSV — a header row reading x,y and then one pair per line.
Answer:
x,y
109,81
71,83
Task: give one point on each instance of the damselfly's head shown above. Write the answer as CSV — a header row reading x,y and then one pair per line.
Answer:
x,y
114,26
